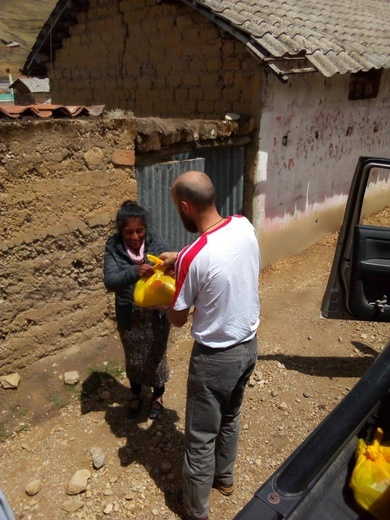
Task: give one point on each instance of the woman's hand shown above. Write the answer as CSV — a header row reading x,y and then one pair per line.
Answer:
x,y
145,270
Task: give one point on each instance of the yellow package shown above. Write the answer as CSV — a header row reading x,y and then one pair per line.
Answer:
x,y
370,480
158,289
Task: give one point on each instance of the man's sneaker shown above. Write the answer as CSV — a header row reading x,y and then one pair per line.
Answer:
x,y
224,490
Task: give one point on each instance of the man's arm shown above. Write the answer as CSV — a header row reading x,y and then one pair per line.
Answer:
x,y
177,318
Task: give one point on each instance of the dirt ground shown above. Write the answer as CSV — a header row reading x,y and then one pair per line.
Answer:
x,y
306,365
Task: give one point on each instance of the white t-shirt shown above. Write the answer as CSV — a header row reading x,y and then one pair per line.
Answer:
x,y
219,275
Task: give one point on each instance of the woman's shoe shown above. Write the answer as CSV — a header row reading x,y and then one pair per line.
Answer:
x,y
135,407
156,407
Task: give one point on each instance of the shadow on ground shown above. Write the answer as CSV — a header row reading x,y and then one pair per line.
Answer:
x,y
156,445
328,366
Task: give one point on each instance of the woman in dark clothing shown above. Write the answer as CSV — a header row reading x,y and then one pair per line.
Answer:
x,y
144,332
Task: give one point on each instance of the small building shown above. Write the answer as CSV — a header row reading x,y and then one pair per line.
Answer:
x,y
31,91
6,92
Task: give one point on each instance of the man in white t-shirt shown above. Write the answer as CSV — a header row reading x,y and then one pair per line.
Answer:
x,y
218,276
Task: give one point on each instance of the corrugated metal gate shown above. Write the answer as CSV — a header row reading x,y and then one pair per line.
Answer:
x,y
225,166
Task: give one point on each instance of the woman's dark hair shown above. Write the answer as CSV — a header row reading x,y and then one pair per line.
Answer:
x,y
130,209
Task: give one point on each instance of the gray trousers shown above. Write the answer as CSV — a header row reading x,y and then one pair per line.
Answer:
x,y
215,390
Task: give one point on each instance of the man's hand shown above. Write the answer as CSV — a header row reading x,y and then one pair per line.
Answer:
x,y
169,258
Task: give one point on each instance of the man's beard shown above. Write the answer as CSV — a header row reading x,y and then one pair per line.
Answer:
x,y
188,223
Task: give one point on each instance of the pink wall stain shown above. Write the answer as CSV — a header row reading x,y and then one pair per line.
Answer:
x,y
284,120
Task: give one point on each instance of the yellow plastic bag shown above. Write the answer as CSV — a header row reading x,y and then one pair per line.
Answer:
x,y
158,289
370,480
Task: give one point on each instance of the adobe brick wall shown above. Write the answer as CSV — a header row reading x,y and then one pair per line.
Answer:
x,y
61,184
155,60
59,195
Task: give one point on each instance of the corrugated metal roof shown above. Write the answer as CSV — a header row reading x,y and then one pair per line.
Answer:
x,y
334,36
331,36
45,111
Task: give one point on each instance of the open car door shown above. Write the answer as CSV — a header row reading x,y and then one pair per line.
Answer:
x,y
359,283
312,483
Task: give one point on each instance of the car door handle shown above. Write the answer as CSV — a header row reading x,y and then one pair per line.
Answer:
x,y
380,304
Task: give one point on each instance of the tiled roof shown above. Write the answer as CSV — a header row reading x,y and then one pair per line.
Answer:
x,y
33,84
45,111
288,36
333,36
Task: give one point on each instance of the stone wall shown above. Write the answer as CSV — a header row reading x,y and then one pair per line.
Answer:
x,y
155,60
59,193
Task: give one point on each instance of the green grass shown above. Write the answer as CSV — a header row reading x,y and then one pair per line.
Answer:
x,y
74,391
3,435
18,409
112,369
58,399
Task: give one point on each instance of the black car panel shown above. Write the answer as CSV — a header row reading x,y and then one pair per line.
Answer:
x,y
370,274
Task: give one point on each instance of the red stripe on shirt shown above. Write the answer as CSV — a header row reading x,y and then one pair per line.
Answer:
x,y
184,260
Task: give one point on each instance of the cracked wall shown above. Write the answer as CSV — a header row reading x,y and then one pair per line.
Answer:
x,y
155,60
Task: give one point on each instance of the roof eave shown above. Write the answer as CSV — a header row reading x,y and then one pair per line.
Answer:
x,y
63,16
269,61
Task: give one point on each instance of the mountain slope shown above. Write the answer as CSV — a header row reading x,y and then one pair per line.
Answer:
x,y
20,21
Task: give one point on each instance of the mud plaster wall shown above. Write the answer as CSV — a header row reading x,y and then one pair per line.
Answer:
x,y
311,137
155,60
61,184
59,193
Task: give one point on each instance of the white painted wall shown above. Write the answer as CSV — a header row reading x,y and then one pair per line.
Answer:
x,y
310,139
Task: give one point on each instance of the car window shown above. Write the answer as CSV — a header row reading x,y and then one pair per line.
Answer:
x,y
376,202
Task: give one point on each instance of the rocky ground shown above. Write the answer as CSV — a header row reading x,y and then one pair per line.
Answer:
x,y
51,431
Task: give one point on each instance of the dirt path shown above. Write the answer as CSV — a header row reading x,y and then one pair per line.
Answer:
x,y
306,365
